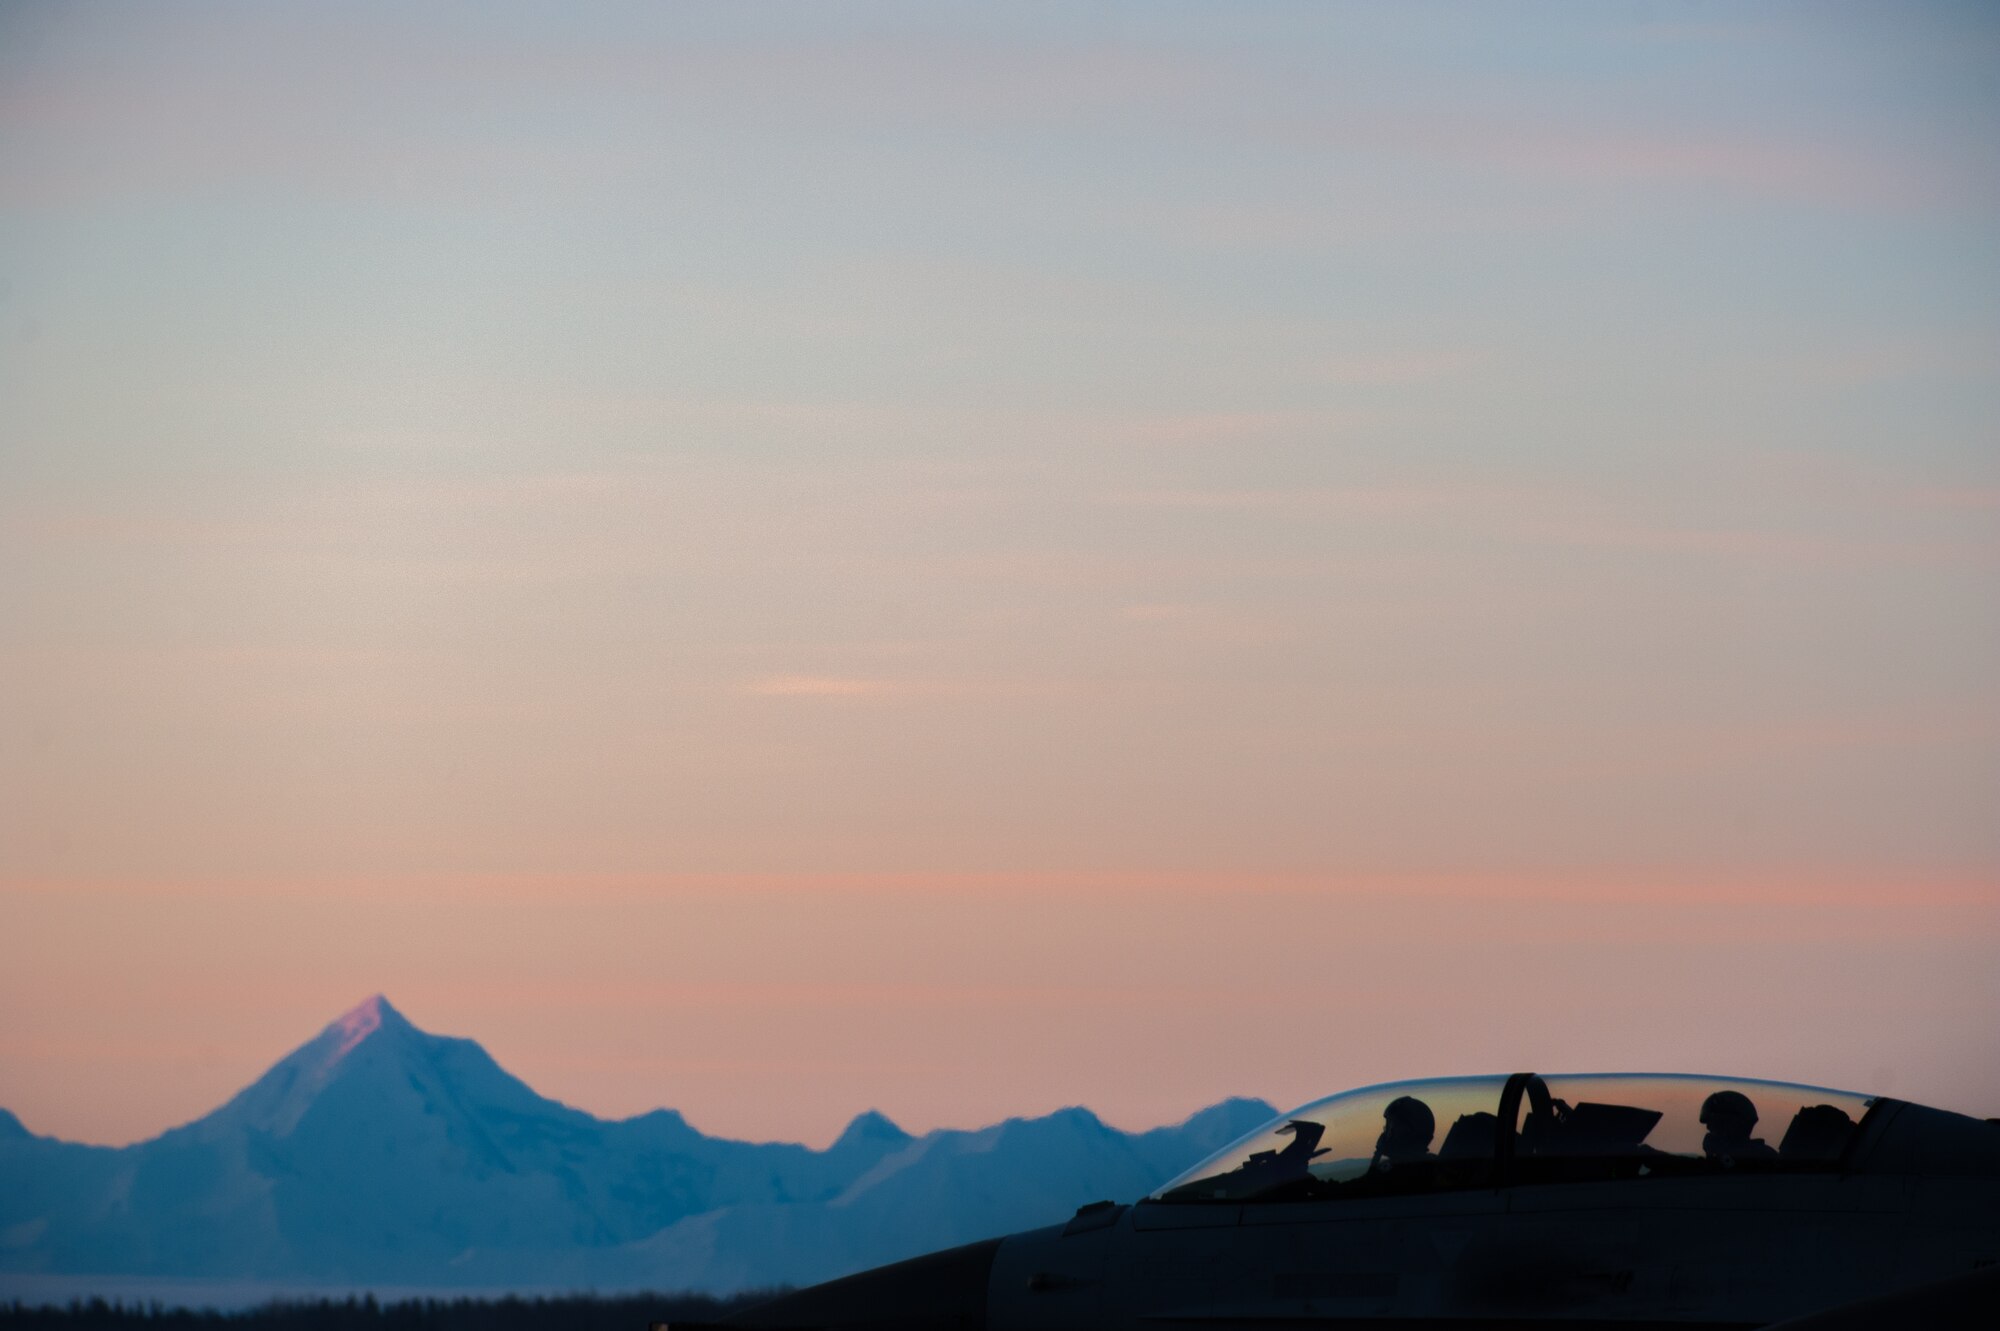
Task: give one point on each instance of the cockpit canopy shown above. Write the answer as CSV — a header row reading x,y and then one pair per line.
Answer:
x,y
1474,1132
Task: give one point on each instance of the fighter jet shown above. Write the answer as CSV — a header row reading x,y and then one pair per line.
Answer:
x,y
1601,1200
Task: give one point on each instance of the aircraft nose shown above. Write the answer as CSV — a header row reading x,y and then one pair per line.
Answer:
x,y
943,1291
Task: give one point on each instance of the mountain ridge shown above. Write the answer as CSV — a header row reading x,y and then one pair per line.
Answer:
x,y
377,1152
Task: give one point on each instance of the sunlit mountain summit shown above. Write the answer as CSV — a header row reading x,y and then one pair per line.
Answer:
x,y
378,1153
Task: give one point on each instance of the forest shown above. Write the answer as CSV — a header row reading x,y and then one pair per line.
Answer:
x,y
629,1312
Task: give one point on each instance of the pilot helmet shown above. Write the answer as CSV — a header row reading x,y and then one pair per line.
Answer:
x,y
1410,1118
1731,1109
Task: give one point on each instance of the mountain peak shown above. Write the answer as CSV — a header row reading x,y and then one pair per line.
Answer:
x,y
1237,1108
369,1034
362,1020
872,1126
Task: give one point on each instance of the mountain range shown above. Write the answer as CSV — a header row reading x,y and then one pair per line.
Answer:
x,y
377,1154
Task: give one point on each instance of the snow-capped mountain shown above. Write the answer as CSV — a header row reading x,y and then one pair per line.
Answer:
x,y
377,1153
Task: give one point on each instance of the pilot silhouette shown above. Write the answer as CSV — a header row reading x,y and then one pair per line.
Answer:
x,y
1407,1128
1729,1116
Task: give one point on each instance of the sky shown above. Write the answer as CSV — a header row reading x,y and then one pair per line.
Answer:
x,y
778,560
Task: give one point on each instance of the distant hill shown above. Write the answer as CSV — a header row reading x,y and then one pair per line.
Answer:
x,y
378,1154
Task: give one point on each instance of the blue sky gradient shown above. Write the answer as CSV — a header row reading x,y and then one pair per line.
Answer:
x,y
1330,444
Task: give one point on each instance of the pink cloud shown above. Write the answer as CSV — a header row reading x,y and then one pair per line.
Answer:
x,y
816,686
1156,613
1401,367
1356,499
1766,166
1973,498
1620,532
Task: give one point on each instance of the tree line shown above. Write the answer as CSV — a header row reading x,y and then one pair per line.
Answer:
x,y
624,1312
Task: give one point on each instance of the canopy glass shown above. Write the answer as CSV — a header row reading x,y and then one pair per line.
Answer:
x,y
1472,1132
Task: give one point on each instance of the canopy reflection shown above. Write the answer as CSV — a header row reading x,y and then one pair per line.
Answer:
x,y
1474,1132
